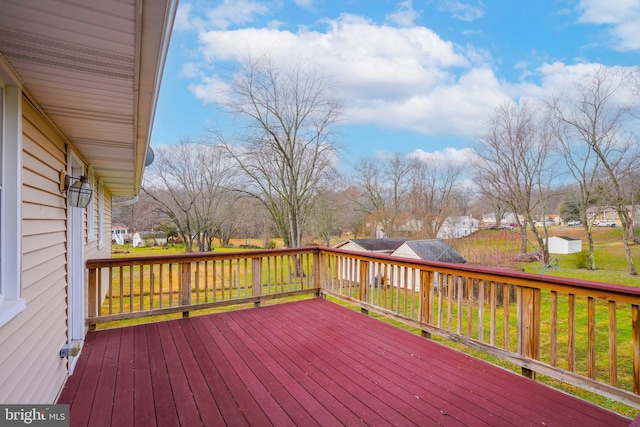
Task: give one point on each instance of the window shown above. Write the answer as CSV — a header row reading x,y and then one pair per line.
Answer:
x,y
10,201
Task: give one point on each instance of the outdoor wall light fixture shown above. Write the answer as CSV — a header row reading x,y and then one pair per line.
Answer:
x,y
79,193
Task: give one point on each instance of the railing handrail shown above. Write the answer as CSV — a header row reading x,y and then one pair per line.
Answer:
x,y
546,282
195,257
371,256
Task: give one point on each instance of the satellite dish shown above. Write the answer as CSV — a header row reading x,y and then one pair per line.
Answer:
x,y
150,157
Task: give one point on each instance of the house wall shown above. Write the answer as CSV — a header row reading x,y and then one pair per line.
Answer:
x,y
350,246
31,371
405,251
562,246
98,245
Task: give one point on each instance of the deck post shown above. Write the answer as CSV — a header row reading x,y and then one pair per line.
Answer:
x,y
256,279
319,269
425,299
529,326
363,282
93,297
185,286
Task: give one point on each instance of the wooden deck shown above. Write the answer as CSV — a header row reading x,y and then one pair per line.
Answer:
x,y
303,363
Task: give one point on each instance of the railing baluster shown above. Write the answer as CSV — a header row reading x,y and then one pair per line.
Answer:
x,y
493,296
151,287
405,289
440,298
450,280
591,337
553,329
205,266
170,285
231,281
571,333
110,270
460,291
635,322
223,284
131,291
613,344
481,290
470,307
246,277
506,320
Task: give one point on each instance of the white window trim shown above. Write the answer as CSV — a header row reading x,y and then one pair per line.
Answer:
x,y
100,214
91,217
11,303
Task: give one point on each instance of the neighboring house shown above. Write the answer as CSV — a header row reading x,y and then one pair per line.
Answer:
x,y
455,227
509,219
553,219
426,250
384,245
429,250
564,245
79,83
119,233
609,213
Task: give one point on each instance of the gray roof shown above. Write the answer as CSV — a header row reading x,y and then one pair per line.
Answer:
x,y
567,238
379,245
435,250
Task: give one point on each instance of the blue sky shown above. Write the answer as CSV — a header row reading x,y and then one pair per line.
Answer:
x,y
414,76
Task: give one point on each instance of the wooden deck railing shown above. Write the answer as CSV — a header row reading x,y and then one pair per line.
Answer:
x,y
582,333
125,288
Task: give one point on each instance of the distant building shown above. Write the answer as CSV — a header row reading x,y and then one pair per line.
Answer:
x,y
429,250
119,233
564,245
455,227
149,238
384,245
509,219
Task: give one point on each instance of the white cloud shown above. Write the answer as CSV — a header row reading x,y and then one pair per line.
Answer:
x,y
404,16
405,78
305,4
622,17
211,90
447,155
462,11
224,15
402,78
182,17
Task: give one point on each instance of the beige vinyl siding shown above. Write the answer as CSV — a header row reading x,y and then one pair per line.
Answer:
x,y
31,371
92,249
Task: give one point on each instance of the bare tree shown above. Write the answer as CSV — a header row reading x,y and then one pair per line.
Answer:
x,y
512,165
463,199
140,215
287,150
326,215
186,182
584,165
432,191
595,113
386,184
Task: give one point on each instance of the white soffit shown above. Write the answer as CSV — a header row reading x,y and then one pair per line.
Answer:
x,y
94,66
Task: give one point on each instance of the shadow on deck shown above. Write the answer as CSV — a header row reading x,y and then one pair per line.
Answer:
x,y
303,363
